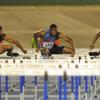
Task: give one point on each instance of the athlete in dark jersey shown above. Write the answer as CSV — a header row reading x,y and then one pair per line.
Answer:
x,y
94,40
8,47
51,39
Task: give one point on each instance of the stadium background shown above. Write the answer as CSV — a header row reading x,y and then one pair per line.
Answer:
x,y
50,2
80,19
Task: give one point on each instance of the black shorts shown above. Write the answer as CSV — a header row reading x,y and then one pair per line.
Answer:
x,y
56,49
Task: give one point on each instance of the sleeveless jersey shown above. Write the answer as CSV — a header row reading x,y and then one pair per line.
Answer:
x,y
49,39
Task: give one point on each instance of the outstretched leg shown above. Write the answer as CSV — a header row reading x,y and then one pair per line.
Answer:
x,y
68,50
7,47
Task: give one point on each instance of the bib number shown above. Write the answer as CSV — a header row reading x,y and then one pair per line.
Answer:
x,y
48,44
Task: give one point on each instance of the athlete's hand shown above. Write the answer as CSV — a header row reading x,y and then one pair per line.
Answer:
x,y
25,51
91,46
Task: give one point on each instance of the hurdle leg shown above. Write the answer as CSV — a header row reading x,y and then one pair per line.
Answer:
x,y
65,86
95,88
12,83
72,88
60,87
79,87
6,87
76,87
86,87
35,83
0,89
46,86
91,88
56,84
91,97
21,87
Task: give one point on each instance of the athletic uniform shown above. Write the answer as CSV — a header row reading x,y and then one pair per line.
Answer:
x,y
51,44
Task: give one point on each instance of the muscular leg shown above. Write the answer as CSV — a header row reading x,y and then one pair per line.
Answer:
x,y
1,50
9,48
45,52
68,50
5,47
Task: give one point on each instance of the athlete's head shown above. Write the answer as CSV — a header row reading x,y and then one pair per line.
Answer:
x,y
1,29
53,29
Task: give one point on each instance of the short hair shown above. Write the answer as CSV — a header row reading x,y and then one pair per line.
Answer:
x,y
1,28
53,26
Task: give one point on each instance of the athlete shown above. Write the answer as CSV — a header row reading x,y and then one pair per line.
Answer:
x,y
51,40
94,40
5,45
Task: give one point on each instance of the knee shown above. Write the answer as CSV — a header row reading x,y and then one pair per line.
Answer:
x,y
69,50
8,47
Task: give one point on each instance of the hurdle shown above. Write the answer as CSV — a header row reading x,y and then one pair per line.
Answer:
x,y
72,88
75,69
6,87
35,86
62,89
86,87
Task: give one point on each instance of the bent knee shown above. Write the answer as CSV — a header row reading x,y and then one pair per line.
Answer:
x,y
68,50
7,46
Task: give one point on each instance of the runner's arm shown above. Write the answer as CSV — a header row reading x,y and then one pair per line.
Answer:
x,y
16,42
67,39
94,40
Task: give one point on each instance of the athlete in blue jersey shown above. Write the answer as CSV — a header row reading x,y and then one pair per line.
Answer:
x,y
51,40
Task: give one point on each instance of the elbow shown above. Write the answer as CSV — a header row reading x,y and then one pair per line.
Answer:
x,y
98,34
16,42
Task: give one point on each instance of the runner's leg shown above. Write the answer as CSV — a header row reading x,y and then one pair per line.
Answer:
x,y
68,50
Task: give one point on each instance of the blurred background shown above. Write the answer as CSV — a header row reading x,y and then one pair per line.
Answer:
x,y
79,19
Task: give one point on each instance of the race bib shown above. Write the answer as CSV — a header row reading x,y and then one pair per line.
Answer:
x,y
48,44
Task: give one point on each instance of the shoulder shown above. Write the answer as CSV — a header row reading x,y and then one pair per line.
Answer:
x,y
61,34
